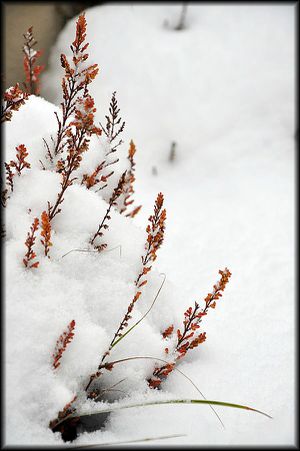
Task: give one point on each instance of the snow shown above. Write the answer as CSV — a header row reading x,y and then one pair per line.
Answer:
x,y
223,89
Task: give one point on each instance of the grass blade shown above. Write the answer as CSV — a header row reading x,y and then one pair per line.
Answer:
x,y
172,401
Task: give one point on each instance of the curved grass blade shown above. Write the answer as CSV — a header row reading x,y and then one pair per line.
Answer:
x,y
175,369
172,401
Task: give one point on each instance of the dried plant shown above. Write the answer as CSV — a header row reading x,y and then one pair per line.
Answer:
x,y
91,180
67,430
155,234
155,231
9,182
76,79
77,144
46,232
13,99
32,72
29,243
97,177
114,125
186,339
128,187
61,345
18,165
21,163
112,202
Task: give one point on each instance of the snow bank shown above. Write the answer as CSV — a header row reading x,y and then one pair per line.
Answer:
x,y
91,288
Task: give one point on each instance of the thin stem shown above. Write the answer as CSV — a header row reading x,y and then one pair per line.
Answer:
x,y
144,316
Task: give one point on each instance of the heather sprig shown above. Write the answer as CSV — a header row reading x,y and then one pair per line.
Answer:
x,y
46,232
114,124
13,99
76,79
61,345
127,200
186,338
78,138
32,71
103,225
18,165
155,236
29,243
21,163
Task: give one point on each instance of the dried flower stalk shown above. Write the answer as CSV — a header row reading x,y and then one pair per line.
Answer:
x,y
155,237
18,165
77,144
113,126
112,202
186,339
61,345
13,99
155,231
46,233
128,188
76,80
32,72
29,243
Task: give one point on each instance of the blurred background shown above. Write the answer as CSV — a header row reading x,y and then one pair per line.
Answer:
x,y
47,19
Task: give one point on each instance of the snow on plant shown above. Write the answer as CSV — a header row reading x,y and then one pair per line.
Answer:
x,y
154,240
155,233
77,144
32,72
98,178
75,129
13,99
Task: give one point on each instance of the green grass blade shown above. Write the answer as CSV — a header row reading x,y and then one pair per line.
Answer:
x,y
173,401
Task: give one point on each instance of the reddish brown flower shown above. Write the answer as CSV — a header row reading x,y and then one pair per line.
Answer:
x,y
62,343
13,99
46,232
32,72
29,243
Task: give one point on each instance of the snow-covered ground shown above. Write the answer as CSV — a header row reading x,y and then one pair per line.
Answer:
x,y
223,89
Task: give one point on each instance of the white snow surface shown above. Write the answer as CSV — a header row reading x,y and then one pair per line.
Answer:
x,y
223,89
